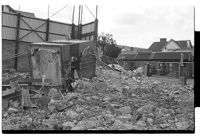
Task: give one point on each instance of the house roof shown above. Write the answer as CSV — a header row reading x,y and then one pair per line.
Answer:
x,y
157,46
183,44
172,56
143,56
133,55
128,55
155,56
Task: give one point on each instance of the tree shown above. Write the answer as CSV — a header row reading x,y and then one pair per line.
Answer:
x,y
108,45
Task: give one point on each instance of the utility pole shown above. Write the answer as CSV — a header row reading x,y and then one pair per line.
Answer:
x,y
17,39
96,11
48,11
79,22
81,14
96,30
73,14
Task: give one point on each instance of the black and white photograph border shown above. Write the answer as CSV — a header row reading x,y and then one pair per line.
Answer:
x,y
99,66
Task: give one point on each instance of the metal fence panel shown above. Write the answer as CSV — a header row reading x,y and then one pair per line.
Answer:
x,y
88,28
59,28
32,37
9,19
87,66
53,37
8,33
33,23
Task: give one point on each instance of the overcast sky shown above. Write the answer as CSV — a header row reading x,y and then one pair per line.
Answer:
x,y
131,23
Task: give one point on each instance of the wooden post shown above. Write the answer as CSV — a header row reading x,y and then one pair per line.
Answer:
x,y
48,10
95,38
96,11
79,31
179,70
73,25
73,14
81,14
30,63
79,10
47,29
17,39
73,31
79,22
96,34
181,64
96,30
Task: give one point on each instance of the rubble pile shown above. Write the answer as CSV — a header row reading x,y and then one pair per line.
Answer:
x,y
110,101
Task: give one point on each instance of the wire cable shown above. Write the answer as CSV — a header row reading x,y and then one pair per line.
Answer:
x,y
17,55
90,11
60,10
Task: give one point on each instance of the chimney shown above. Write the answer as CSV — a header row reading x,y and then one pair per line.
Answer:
x,y
163,39
188,44
131,49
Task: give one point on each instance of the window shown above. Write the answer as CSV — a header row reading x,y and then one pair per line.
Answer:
x,y
159,65
170,67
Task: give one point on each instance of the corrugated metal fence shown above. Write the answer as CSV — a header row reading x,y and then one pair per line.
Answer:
x,y
18,29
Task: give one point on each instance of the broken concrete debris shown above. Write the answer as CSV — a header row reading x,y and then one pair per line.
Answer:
x,y
110,101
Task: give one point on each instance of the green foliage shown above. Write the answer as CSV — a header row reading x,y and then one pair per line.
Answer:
x,y
108,45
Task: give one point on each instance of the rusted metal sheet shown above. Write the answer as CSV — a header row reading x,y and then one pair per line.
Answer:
x,y
59,28
9,19
8,33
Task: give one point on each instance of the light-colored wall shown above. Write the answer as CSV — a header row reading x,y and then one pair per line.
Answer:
x,y
170,46
5,9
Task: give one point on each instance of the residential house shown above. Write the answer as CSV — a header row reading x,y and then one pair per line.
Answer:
x,y
163,57
129,53
161,63
125,59
166,46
